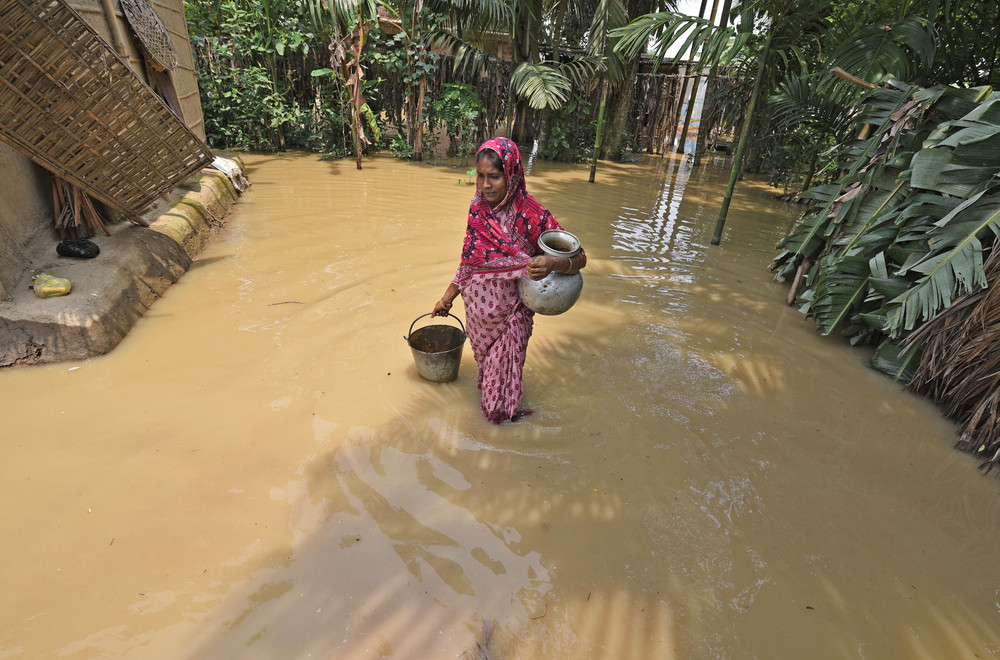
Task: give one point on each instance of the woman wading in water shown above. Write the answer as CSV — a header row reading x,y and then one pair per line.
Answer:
x,y
504,225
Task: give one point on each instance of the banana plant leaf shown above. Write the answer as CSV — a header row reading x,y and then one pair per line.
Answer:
x,y
896,362
841,285
924,227
954,265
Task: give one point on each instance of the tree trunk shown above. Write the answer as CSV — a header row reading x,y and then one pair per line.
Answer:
x,y
618,106
418,134
687,72
546,118
619,102
600,125
812,167
710,87
557,30
744,139
528,30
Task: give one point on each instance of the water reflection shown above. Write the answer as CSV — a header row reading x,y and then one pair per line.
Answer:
x,y
660,244
648,233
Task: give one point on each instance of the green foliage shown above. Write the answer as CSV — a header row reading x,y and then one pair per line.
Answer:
x,y
261,77
400,147
457,108
541,85
571,131
904,231
914,41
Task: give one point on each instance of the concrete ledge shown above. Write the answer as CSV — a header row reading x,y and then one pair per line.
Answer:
x,y
111,292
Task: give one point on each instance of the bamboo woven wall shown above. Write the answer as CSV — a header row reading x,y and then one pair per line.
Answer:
x,y
171,12
73,105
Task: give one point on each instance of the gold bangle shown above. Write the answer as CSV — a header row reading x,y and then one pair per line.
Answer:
x,y
570,260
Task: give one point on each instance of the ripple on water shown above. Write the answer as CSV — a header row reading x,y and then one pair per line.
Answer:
x,y
662,246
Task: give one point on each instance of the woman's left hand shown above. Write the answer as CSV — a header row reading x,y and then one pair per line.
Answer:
x,y
542,265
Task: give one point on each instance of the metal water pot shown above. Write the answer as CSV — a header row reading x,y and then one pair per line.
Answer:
x,y
556,292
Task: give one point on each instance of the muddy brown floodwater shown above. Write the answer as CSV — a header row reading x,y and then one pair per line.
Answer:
x,y
259,472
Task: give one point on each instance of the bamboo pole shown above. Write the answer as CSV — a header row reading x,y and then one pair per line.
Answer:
x,y
676,114
863,84
358,100
684,85
744,139
854,80
112,20
600,125
800,274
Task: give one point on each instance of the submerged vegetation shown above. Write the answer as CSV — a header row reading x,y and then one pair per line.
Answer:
x,y
881,116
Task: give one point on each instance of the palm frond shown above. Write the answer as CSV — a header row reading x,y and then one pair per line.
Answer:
x,y
478,13
875,52
346,11
580,70
466,55
667,29
800,103
841,285
541,85
609,15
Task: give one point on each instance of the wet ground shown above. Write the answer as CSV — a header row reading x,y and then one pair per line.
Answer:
x,y
257,471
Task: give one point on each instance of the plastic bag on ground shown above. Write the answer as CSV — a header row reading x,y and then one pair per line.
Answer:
x,y
50,286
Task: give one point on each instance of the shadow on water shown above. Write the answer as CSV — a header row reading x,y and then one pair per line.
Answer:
x,y
686,488
416,537
417,534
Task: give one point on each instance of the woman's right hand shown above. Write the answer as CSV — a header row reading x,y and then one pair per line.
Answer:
x,y
441,308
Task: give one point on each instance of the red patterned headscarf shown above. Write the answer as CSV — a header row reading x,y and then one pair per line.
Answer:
x,y
488,248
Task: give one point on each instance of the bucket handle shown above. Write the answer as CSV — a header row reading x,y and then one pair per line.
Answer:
x,y
407,337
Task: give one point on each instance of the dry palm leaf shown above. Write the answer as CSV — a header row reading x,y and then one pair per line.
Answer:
x,y
75,214
960,365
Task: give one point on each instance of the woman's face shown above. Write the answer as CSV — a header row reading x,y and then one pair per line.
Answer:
x,y
491,181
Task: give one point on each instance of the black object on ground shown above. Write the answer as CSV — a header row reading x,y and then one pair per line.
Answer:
x,y
78,247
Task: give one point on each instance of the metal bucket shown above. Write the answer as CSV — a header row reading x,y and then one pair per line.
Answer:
x,y
437,350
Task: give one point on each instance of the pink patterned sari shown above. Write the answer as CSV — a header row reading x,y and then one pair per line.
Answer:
x,y
498,243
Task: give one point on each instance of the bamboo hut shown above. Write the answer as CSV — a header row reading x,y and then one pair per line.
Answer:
x,y
101,93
